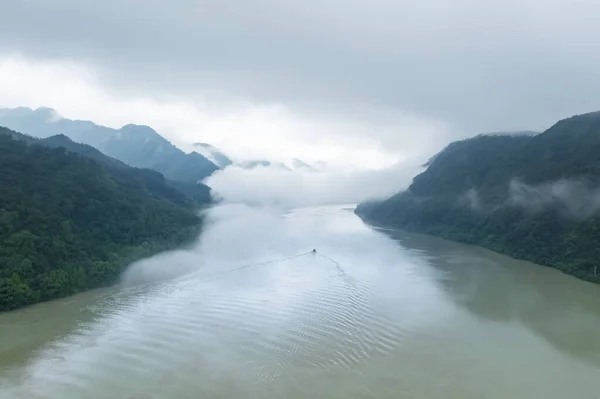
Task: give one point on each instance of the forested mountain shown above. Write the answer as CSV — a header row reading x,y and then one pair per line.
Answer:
x,y
193,194
531,197
135,145
70,222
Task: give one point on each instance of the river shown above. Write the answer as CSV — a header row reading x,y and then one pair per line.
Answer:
x,y
250,311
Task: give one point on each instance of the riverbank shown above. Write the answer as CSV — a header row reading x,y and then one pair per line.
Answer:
x,y
455,234
92,274
397,309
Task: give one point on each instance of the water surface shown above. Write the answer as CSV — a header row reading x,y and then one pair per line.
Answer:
x,y
251,312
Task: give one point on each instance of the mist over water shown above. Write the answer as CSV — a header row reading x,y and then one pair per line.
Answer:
x,y
301,188
251,311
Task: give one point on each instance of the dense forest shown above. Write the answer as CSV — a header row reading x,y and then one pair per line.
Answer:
x,y
532,197
177,191
71,221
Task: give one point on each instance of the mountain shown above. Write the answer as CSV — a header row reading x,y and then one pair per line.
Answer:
x,y
169,189
222,161
534,197
70,222
255,164
213,154
260,163
138,146
196,194
300,164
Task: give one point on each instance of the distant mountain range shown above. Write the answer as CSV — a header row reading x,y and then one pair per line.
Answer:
x,y
295,165
299,164
220,159
136,145
213,154
263,164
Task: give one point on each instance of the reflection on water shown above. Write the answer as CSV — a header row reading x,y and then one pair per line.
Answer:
x,y
559,308
373,314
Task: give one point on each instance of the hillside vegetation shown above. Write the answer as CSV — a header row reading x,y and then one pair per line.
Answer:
x,y
532,197
70,222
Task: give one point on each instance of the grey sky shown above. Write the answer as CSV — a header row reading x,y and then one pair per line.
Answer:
x,y
470,65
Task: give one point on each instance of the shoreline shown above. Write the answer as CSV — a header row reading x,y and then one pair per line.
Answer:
x,y
379,226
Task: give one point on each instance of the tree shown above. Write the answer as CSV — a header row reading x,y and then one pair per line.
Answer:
x,y
70,223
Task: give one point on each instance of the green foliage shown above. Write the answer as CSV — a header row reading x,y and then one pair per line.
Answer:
x,y
435,202
70,223
179,192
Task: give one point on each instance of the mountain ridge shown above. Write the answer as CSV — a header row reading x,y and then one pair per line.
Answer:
x,y
136,145
534,197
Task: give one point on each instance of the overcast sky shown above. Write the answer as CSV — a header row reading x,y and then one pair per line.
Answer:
x,y
347,81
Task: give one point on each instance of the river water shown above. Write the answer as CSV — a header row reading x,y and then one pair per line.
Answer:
x,y
250,311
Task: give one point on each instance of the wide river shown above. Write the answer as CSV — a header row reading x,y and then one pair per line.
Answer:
x,y
251,312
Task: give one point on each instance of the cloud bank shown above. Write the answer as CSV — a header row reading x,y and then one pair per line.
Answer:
x,y
500,65
573,198
288,189
244,129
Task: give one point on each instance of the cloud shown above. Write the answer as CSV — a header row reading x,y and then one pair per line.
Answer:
x,y
353,165
573,198
351,83
287,189
576,198
244,129
471,199
502,65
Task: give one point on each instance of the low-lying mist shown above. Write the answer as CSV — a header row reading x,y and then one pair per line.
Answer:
x,y
574,198
291,189
249,226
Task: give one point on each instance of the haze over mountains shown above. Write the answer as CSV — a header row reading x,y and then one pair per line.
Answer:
x,y
217,156
80,201
213,154
137,146
534,197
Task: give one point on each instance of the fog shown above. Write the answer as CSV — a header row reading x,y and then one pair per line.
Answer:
x,y
576,198
244,129
573,198
471,199
288,189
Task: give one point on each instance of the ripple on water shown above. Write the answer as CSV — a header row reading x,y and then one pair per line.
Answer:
x,y
258,325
